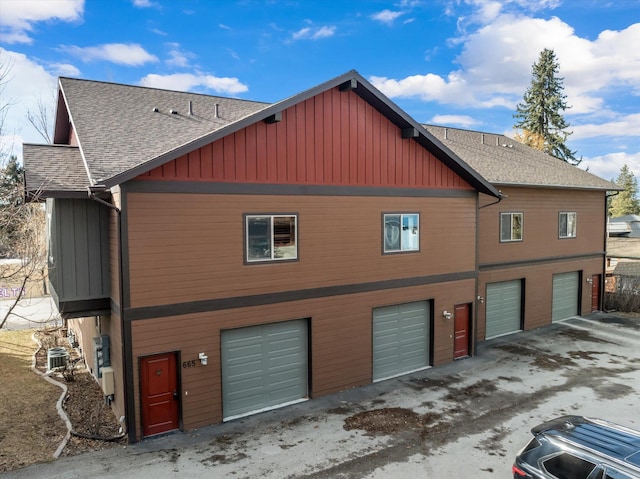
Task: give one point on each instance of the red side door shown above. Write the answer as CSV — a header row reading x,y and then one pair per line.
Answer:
x,y
159,393
462,327
595,293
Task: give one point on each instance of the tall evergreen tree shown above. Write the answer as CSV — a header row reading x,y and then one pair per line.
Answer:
x,y
625,202
541,114
11,205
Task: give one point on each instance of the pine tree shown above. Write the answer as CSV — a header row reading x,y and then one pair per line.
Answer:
x,y
625,202
11,205
540,115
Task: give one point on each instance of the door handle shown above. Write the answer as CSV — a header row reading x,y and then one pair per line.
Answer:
x,y
175,395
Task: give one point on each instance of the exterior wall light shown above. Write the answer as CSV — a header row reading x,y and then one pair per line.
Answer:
x,y
203,359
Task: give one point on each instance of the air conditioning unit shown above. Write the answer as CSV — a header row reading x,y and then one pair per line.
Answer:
x,y
57,358
108,386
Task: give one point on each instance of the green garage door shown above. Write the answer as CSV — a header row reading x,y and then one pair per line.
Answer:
x,y
401,337
263,367
565,295
504,308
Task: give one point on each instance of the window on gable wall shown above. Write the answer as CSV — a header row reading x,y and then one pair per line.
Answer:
x,y
567,224
510,227
401,232
271,237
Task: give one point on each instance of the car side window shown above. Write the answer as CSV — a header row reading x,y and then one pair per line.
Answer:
x,y
567,466
610,473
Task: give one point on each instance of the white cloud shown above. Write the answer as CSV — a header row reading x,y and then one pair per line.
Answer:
x,y
314,33
189,82
17,17
65,70
25,78
608,166
387,16
130,54
178,57
142,3
625,125
460,120
496,59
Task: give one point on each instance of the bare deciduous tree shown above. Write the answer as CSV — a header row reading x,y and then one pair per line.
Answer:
x,y
22,224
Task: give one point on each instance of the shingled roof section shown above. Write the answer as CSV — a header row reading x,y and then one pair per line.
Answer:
x,y
54,171
120,127
505,161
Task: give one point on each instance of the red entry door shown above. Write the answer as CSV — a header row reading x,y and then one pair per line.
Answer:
x,y
159,383
595,293
462,322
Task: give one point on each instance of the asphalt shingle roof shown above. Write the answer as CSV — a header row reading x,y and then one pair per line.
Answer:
x,y
505,161
55,169
118,128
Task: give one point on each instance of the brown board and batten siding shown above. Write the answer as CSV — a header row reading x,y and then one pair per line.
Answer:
x,y
335,138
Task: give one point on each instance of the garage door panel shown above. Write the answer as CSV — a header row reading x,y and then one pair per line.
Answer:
x,y
400,339
264,366
566,288
503,308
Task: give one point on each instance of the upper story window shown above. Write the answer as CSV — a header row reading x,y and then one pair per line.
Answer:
x,y
271,237
567,224
510,227
401,232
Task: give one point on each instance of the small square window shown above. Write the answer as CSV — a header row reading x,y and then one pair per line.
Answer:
x,y
567,224
271,237
401,232
510,227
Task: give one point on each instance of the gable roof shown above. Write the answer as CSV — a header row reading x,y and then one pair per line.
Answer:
x,y
123,131
44,172
505,161
119,127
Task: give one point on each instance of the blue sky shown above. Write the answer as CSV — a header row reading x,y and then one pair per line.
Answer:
x,y
461,63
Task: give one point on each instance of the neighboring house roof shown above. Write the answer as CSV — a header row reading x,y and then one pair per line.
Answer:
x,y
505,161
120,134
628,268
625,219
56,169
630,223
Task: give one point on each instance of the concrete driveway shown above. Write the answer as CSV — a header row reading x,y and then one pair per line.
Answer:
x,y
466,419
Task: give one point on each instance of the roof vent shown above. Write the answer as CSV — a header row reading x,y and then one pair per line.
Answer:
x,y
190,108
155,109
216,110
173,112
482,138
445,133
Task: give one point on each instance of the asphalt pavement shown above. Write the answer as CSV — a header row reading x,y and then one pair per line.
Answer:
x,y
465,419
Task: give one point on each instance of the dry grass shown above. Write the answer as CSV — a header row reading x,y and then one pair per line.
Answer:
x,y
30,430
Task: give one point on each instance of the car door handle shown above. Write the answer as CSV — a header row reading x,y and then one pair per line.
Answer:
x,y
175,395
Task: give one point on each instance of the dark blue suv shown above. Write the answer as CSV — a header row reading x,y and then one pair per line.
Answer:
x,y
575,447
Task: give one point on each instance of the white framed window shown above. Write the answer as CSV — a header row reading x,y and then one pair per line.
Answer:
x,y
567,224
271,237
401,232
511,227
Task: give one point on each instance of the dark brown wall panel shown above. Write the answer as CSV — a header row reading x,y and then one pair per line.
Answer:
x,y
188,247
334,138
541,208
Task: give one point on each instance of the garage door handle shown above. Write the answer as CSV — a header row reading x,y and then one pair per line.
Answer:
x,y
175,395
